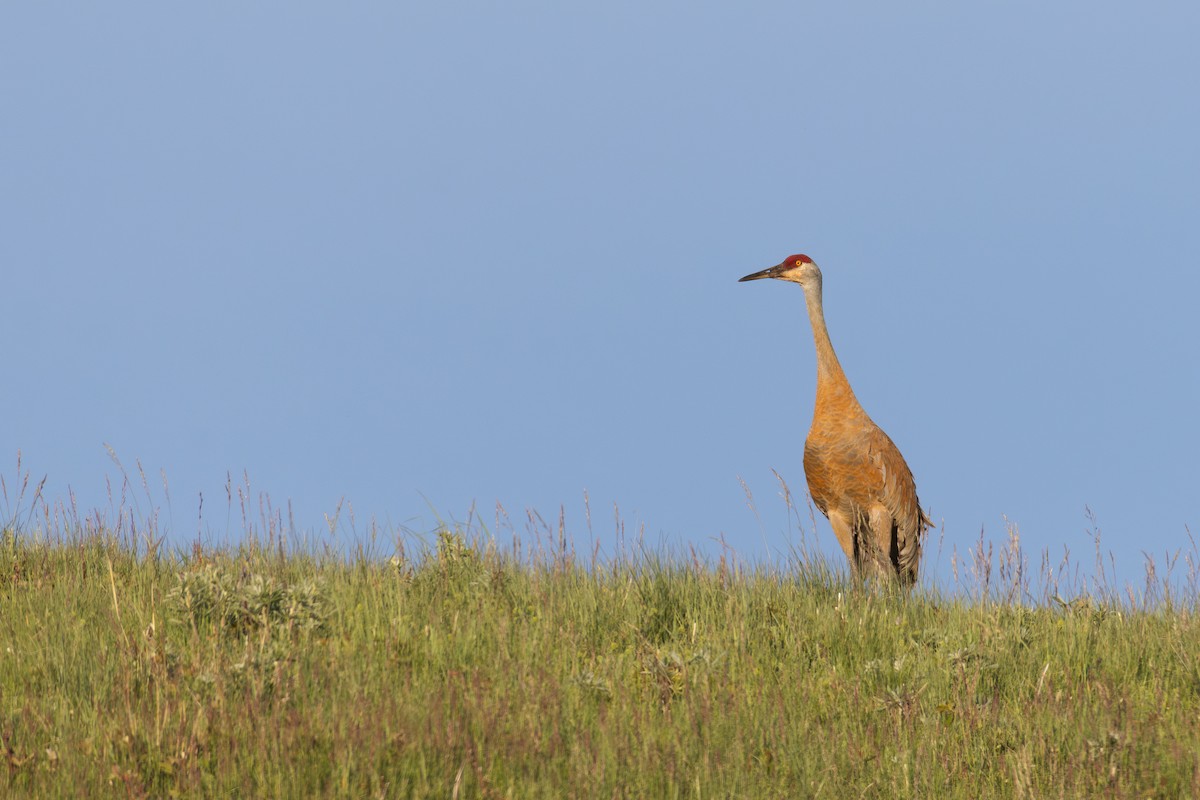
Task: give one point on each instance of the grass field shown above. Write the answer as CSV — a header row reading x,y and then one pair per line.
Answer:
x,y
465,670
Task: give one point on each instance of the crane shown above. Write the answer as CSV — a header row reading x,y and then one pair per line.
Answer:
x,y
855,473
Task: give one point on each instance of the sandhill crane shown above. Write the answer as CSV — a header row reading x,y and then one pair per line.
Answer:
x,y
855,473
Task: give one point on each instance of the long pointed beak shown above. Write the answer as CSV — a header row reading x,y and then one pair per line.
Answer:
x,y
769,272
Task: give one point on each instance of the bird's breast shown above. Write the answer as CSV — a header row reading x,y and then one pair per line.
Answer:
x,y
840,468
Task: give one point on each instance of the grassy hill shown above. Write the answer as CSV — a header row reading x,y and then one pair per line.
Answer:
x,y
463,671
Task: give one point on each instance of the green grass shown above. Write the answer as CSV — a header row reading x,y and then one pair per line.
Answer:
x,y
464,672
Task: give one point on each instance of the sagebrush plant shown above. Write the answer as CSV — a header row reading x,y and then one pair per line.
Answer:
x,y
463,668
237,602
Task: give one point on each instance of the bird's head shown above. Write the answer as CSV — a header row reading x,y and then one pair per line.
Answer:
x,y
797,269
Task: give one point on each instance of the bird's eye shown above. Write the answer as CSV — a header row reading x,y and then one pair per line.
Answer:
x,y
798,262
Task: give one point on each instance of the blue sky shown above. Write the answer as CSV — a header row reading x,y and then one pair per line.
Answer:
x,y
420,256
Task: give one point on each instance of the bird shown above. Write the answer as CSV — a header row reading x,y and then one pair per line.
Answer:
x,y
856,474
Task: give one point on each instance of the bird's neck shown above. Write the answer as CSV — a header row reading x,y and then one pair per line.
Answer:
x,y
832,385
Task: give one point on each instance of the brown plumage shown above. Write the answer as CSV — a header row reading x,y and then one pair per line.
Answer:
x,y
856,475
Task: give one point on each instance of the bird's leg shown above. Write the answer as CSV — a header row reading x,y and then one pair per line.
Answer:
x,y
883,541
843,529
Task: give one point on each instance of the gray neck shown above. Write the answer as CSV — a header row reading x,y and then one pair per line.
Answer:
x,y
830,376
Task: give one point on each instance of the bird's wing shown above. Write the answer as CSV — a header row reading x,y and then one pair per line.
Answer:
x,y
899,497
